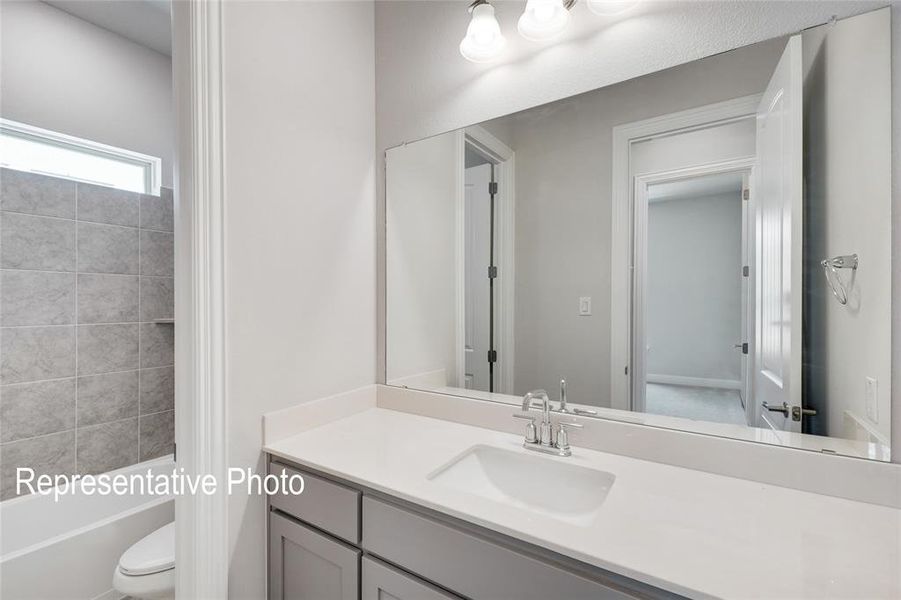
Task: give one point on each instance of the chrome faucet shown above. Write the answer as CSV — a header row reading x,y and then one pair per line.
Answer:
x,y
545,439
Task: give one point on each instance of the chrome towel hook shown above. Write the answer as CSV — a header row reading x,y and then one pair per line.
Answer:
x,y
831,267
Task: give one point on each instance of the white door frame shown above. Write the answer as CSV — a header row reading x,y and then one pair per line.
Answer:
x,y
622,200
202,534
640,263
504,160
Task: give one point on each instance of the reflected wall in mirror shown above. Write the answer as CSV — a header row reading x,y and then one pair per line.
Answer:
x,y
704,248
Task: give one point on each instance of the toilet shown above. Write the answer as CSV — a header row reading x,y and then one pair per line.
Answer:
x,y
147,569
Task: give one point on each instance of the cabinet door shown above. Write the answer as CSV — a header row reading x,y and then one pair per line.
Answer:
x,y
307,565
383,582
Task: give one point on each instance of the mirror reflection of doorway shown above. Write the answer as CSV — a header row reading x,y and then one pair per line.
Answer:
x,y
696,317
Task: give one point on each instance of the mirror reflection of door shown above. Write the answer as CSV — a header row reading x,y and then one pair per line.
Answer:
x,y
478,256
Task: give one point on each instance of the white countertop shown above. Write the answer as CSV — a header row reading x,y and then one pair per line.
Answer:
x,y
689,532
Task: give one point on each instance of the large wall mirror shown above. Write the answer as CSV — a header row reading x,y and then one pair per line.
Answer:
x,y
706,248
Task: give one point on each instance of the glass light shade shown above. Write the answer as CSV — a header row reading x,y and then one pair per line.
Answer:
x,y
484,41
606,8
543,20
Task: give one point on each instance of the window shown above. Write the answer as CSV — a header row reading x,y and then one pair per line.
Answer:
x,y
27,148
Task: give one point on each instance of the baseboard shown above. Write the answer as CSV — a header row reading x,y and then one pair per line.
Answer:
x,y
723,384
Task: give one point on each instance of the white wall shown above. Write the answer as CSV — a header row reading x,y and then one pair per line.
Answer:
x,y
848,210
300,227
694,287
61,73
424,183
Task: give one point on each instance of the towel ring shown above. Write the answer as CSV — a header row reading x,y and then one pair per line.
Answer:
x,y
830,269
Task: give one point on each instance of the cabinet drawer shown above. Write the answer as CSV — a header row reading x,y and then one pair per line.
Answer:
x,y
473,566
324,504
380,581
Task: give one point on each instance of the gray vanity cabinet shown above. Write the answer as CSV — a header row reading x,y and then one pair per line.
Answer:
x,y
336,541
383,582
307,565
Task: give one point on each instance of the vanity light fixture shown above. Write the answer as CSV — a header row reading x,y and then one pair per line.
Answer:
x,y
544,20
606,8
484,41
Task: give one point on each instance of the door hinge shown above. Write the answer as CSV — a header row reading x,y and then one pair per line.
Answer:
x,y
746,194
744,347
492,272
492,356
492,187
745,271
626,370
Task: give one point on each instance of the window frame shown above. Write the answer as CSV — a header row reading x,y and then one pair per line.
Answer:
x,y
152,165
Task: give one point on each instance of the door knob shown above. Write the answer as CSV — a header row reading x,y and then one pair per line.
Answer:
x,y
798,412
784,409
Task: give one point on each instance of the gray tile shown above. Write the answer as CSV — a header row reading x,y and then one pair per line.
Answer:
x,y
39,243
157,253
47,455
157,390
33,409
157,211
107,249
105,398
157,435
107,348
101,204
37,194
36,353
106,447
157,345
36,298
107,298
157,298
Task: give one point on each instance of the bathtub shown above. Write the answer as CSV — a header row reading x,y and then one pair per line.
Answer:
x,y
68,549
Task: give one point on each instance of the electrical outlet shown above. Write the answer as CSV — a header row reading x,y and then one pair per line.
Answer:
x,y
871,399
585,306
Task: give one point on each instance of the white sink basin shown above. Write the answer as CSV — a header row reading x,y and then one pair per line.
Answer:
x,y
533,482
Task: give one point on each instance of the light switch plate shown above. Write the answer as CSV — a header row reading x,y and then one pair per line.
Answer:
x,y
585,306
871,399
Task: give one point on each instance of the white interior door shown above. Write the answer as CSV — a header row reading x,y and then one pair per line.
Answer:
x,y
777,365
478,255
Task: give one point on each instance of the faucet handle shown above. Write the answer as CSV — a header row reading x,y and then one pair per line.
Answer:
x,y
531,431
563,437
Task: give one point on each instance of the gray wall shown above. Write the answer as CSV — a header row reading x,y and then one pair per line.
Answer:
x,y
64,74
87,378
694,287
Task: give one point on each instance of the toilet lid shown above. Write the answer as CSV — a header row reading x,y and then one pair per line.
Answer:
x,y
152,554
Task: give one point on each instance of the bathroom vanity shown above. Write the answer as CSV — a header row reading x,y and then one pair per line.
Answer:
x,y
420,507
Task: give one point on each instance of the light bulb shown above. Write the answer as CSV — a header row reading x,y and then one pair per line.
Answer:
x,y
543,20
606,8
484,41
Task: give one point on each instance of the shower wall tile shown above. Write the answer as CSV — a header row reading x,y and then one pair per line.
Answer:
x,y
157,390
157,253
36,353
109,397
157,345
157,435
107,298
107,348
157,211
37,243
36,298
157,298
107,249
106,447
100,204
48,455
33,409
36,194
